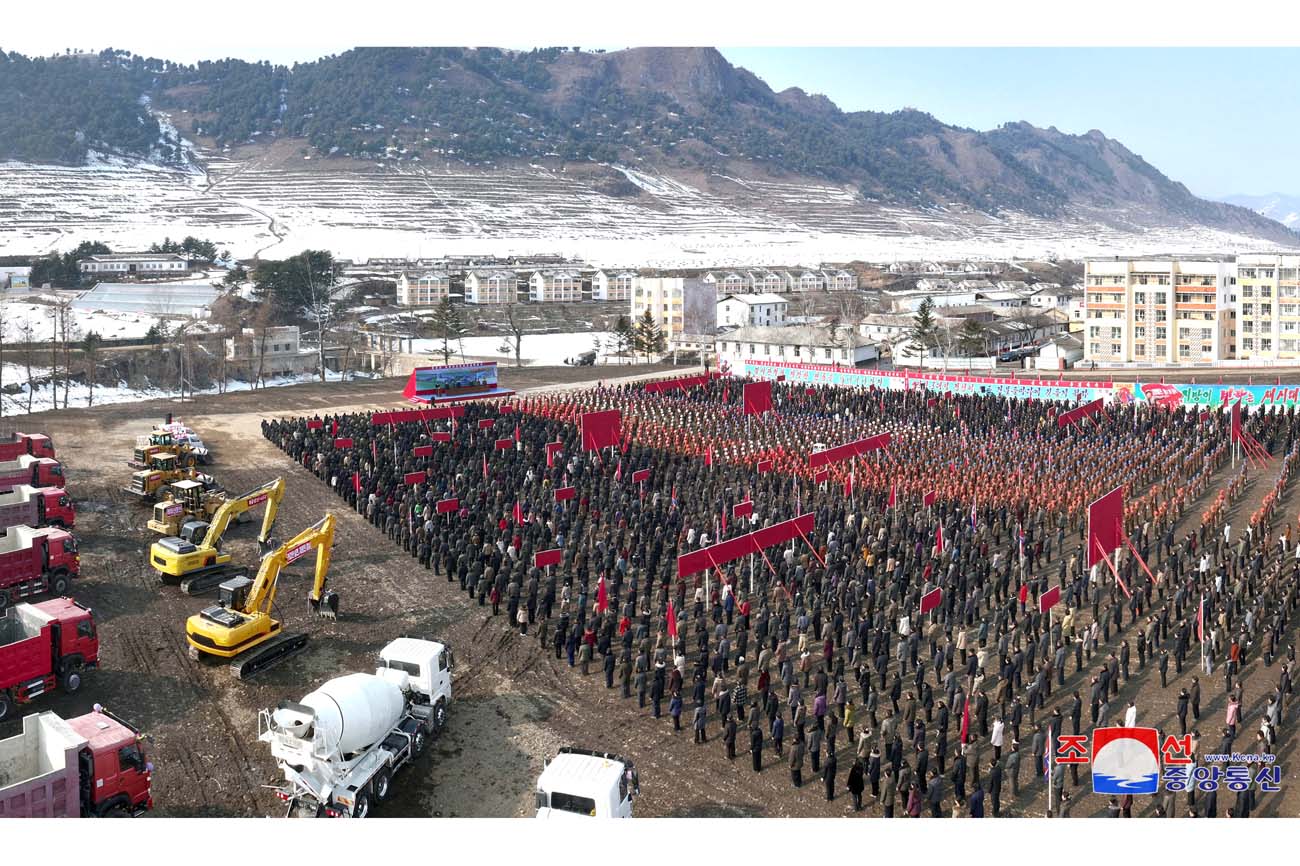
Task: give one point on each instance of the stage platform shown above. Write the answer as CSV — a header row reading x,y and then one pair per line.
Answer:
x,y
457,398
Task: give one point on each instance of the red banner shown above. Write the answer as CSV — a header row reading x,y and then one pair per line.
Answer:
x,y
315,425
600,429
640,475
849,450
931,600
447,506
742,509
682,383
764,466
821,475
441,436
412,478
503,444
1080,413
379,419
735,548
544,558
343,443
1049,599
757,398
422,451
563,493
1105,525
486,423
928,499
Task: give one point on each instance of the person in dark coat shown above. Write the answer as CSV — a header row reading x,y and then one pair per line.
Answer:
x,y
756,747
856,784
995,787
828,775
796,760
977,802
729,738
873,771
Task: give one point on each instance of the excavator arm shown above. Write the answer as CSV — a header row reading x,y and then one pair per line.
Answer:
x,y
271,493
318,537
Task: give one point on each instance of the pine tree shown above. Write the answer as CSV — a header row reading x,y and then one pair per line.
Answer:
x,y
971,338
447,325
924,332
624,336
648,339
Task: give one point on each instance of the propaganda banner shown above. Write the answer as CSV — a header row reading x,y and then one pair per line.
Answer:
x,y
600,429
1105,525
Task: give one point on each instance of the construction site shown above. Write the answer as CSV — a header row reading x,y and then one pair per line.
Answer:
x,y
168,606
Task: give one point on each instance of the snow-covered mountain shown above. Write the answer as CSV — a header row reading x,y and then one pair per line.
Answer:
x,y
1278,206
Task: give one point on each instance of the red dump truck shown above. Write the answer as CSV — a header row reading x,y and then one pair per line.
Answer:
x,y
26,469
44,646
33,561
36,506
35,444
91,766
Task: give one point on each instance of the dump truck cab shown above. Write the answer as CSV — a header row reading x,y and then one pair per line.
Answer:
x,y
33,444
116,775
578,783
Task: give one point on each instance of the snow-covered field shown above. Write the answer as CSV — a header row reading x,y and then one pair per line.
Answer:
x,y
79,394
395,211
542,350
108,324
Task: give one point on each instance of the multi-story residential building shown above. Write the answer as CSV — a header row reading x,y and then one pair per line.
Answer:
x,y
840,280
810,281
1159,311
491,287
741,310
682,307
1268,306
562,286
613,286
134,264
728,282
427,289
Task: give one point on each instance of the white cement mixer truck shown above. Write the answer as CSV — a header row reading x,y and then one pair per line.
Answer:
x,y
341,744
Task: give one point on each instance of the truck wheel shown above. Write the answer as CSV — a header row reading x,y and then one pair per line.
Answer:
x,y
440,716
6,706
4,601
59,584
71,680
383,785
361,809
419,743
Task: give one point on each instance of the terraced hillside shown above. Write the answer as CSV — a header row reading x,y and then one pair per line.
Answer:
x,y
275,206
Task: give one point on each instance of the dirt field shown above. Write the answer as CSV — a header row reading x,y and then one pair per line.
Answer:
x,y
514,705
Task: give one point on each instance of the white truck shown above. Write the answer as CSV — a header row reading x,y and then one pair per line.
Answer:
x,y
578,783
340,745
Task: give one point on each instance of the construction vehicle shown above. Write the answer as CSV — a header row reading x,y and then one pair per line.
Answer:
x,y
33,561
184,501
164,469
91,766
36,506
578,783
34,444
26,469
44,646
158,442
240,628
340,745
194,559
186,437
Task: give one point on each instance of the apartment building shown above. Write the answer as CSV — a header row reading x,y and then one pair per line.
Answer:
x,y
1268,306
613,285
427,289
682,307
563,286
491,287
1159,311
735,311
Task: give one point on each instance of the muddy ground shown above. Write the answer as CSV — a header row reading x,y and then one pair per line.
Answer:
x,y
514,705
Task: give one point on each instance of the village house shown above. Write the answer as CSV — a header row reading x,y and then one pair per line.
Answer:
x,y
761,309
804,344
134,264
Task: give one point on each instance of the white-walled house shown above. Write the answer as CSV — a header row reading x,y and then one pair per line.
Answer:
x,y
562,286
137,264
491,287
613,285
427,289
738,311
803,344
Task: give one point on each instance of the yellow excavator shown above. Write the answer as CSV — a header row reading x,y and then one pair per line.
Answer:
x,y
194,558
240,627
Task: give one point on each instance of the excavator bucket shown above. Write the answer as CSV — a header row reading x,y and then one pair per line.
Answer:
x,y
327,606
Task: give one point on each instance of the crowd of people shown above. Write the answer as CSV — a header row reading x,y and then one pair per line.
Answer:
x,y
816,652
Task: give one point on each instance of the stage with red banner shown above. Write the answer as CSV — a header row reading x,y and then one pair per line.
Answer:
x,y
454,382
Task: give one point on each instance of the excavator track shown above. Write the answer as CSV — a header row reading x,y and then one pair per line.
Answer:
x,y
267,654
208,580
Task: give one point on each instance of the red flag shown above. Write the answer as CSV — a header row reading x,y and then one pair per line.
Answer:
x,y
374,452
602,596
517,433
931,600
848,486
893,495
356,481
1200,621
965,719
938,538
1236,421
928,499
335,430
708,456
672,621
485,472
724,518
618,471
518,513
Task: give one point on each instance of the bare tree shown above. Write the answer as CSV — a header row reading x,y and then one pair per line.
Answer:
x,y
516,332
90,353
67,333
27,332
261,332
321,309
